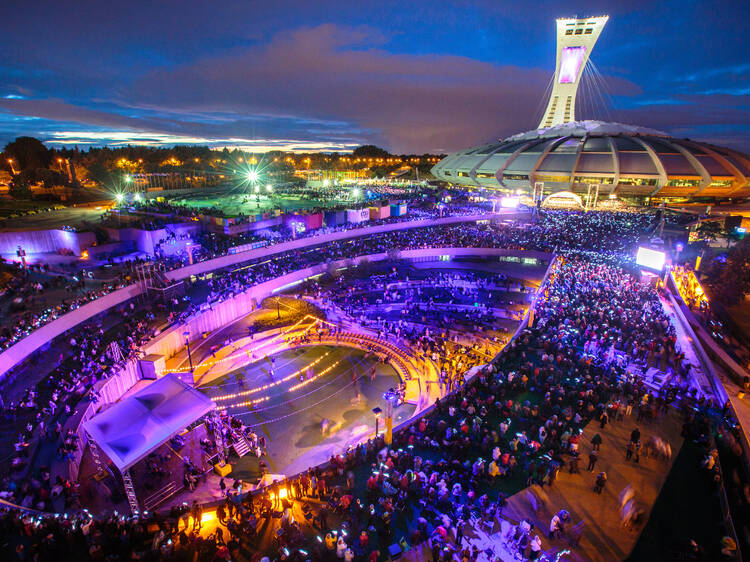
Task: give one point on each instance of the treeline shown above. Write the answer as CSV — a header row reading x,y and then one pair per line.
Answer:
x,y
30,162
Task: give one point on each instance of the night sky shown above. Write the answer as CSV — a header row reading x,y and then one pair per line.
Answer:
x,y
413,77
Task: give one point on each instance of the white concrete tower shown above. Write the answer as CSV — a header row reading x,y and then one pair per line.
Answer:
x,y
575,41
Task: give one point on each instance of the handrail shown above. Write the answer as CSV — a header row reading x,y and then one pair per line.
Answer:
x,y
22,349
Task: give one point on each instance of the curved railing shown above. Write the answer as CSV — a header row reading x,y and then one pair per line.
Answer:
x,y
41,336
172,340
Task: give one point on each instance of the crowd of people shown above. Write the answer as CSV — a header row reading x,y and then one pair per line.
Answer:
x,y
516,422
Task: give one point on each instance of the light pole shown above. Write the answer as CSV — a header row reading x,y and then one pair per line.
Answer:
x,y
377,411
391,398
187,343
12,169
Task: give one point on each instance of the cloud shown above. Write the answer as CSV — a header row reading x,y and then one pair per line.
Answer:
x,y
340,85
414,102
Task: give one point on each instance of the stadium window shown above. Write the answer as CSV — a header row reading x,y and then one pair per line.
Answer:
x,y
463,174
721,183
485,175
516,177
638,181
588,179
568,32
683,183
579,31
588,31
557,179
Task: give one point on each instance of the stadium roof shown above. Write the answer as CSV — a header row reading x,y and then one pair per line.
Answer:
x,y
622,159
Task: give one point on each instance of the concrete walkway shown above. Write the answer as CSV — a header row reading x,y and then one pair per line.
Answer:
x,y
604,538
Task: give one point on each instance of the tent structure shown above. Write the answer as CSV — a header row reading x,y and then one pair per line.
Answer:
x,y
135,427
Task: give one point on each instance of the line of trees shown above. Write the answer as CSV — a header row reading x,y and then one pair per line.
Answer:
x,y
31,163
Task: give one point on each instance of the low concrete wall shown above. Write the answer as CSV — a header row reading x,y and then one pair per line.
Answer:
x,y
44,241
324,238
40,337
172,340
21,350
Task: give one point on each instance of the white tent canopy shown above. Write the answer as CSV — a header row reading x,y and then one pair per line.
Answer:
x,y
131,429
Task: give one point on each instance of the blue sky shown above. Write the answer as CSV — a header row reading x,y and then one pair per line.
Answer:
x,y
423,76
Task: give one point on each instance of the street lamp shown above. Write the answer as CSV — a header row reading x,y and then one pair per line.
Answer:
x,y
377,411
12,169
187,343
391,399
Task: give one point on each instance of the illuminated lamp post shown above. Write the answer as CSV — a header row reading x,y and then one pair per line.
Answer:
x,y
12,169
391,398
187,344
377,411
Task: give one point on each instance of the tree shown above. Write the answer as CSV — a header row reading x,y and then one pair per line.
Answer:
x,y
19,187
28,153
370,151
729,279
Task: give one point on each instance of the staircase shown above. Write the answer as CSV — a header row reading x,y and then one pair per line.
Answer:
x,y
130,492
241,447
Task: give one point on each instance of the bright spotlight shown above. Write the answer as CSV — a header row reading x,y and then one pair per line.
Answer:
x,y
257,189
252,175
128,178
356,192
269,188
119,197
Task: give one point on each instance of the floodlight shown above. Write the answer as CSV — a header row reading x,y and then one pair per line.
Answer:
x,y
128,178
252,175
269,188
119,197
651,259
509,202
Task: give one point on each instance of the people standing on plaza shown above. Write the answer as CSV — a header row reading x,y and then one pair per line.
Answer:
x,y
593,457
601,480
596,441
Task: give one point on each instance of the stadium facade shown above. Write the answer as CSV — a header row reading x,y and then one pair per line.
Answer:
x,y
565,155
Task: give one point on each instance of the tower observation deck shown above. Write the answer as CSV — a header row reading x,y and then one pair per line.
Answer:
x,y
575,41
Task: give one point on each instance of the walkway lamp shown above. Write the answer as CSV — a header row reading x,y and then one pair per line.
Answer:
x,y
187,344
377,411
